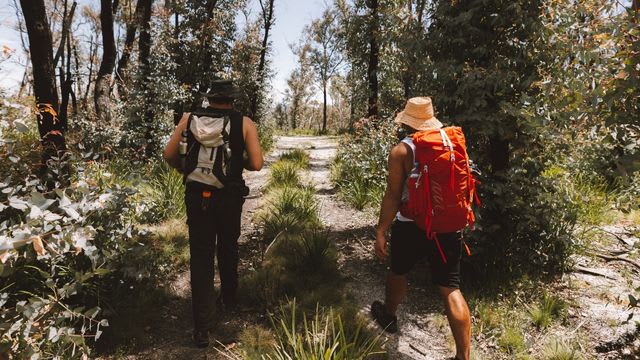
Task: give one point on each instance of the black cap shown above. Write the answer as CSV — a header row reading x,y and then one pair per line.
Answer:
x,y
222,89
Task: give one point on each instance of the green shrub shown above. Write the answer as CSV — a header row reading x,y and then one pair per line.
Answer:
x,y
360,167
59,249
266,135
359,194
284,173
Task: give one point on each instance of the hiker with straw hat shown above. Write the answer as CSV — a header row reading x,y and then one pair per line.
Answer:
x,y
409,242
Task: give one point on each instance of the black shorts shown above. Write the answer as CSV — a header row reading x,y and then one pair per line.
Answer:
x,y
409,244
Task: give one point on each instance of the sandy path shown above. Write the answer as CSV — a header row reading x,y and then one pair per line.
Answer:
x,y
420,316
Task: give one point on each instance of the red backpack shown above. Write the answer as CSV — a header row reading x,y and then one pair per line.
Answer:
x,y
442,192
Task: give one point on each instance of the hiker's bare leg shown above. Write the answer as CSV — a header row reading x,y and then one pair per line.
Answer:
x,y
396,288
459,320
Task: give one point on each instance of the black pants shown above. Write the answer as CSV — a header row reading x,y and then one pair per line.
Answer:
x,y
216,228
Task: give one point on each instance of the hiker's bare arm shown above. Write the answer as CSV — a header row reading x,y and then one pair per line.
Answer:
x,y
392,196
171,152
252,145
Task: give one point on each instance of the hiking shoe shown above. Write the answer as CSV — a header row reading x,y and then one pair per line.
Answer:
x,y
201,338
388,322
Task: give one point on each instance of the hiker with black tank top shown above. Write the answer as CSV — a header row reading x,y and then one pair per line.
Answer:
x,y
426,205
212,146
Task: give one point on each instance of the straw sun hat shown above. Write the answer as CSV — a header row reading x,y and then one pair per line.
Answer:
x,y
418,114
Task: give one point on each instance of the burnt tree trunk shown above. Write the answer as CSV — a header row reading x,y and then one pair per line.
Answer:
x,y
372,70
44,84
123,63
102,88
267,16
66,25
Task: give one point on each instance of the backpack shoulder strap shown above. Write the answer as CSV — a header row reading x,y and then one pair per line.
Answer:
x,y
236,143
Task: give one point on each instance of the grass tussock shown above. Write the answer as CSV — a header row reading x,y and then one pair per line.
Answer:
x,y
289,210
298,157
323,336
548,309
512,340
558,349
284,174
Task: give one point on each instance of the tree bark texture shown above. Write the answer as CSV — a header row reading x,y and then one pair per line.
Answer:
x,y
372,70
102,88
44,85
130,37
267,16
144,42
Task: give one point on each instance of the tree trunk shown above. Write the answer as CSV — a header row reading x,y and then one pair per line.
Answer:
x,y
636,5
122,75
44,85
102,89
93,53
324,106
66,25
144,42
372,70
267,16
499,152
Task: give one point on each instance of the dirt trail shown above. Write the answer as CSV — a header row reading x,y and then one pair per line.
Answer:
x,y
420,316
424,332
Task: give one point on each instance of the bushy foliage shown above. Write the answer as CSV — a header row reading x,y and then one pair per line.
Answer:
x,y
55,248
360,166
149,120
65,252
266,137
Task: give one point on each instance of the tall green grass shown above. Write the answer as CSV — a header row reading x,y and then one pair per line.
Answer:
x,y
164,194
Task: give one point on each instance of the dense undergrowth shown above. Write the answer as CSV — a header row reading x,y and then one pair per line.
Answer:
x,y
84,258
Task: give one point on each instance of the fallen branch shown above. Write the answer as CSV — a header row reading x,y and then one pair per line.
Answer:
x,y
620,238
594,272
417,350
618,258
